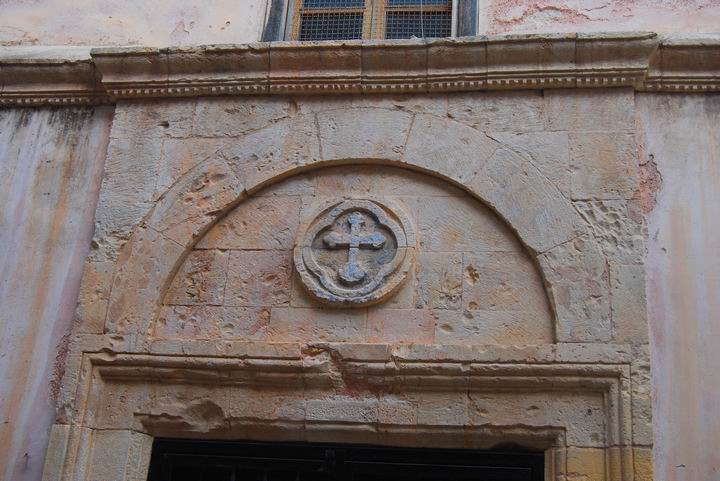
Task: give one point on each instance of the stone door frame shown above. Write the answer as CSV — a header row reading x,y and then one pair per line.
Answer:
x,y
103,449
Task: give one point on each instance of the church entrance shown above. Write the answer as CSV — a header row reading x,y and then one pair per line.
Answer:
x,y
181,460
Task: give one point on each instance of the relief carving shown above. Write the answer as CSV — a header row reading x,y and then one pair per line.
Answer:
x,y
356,252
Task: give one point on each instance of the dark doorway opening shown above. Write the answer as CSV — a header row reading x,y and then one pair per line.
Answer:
x,y
182,460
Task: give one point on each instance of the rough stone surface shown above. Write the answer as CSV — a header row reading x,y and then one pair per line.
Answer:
x,y
201,279
618,227
258,278
548,151
454,149
603,165
267,222
499,111
590,110
580,293
527,200
521,322
629,306
480,274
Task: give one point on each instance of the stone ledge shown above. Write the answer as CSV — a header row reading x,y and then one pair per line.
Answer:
x,y
644,61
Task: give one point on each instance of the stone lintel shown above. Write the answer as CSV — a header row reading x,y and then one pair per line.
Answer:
x,y
644,61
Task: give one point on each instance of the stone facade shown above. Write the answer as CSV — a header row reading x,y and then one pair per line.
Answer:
x,y
501,221
521,320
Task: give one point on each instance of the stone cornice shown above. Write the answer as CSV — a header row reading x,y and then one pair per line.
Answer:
x,y
643,61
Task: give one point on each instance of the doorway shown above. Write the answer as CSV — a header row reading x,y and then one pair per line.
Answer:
x,y
184,460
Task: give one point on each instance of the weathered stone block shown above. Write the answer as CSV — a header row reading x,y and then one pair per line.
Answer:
x,y
315,324
179,156
343,410
577,280
189,322
258,278
194,202
258,223
170,118
394,411
119,456
499,111
441,409
627,299
441,145
439,280
583,415
312,104
363,133
213,322
433,104
94,296
400,183
505,328
590,110
548,151
593,353
145,261
503,281
260,156
618,228
604,165
452,224
266,404
200,280
401,325
587,464
130,175
641,387
534,207
297,186
246,323
643,464
235,116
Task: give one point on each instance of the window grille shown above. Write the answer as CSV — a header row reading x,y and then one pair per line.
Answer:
x,y
371,19
178,460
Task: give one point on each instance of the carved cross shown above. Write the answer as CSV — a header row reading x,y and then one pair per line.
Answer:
x,y
351,272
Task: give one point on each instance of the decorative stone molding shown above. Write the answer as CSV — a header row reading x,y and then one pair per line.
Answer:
x,y
644,61
574,404
62,76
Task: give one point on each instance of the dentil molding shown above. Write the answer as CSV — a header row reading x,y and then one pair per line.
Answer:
x,y
643,61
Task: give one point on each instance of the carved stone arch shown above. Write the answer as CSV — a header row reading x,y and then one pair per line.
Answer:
x,y
544,220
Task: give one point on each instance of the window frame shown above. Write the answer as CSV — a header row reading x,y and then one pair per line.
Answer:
x,y
374,24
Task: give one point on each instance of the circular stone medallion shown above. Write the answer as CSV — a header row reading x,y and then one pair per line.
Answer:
x,y
356,252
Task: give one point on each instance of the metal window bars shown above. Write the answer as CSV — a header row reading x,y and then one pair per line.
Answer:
x,y
181,460
371,19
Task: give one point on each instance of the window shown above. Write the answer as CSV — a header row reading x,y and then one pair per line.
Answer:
x,y
177,460
370,19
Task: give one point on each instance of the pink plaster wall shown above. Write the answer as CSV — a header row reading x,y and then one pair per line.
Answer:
x,y
156,23
542,16
187,22
680,135
51,163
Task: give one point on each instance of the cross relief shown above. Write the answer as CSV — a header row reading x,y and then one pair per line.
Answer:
x,y
355,252
351,272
